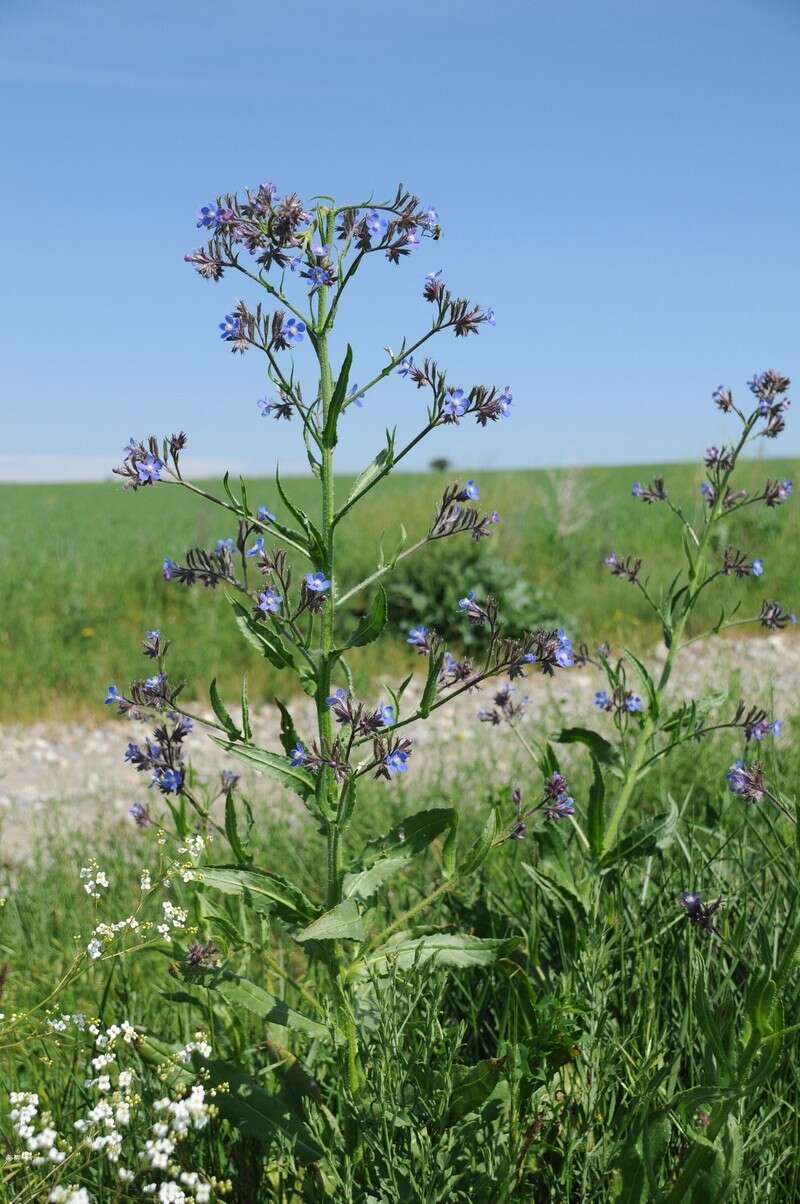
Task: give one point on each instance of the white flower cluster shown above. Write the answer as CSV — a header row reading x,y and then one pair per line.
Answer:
x,y
105,933
41,1143
174,919
107,1131
93,879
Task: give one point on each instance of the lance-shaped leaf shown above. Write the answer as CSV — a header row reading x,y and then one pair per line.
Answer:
x,y
383,858
241,993
435,662
267,893
442,948
376,468
219,709
480,850
650,837
472,1086
293,776
647,682
316,545
263,636
597,744
341,923
595,812
373,622
337,400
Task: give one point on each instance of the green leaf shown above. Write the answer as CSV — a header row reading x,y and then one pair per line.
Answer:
x,y
316,545
382,462
289,736
709,1027
595,814
435,662
337,400
232,830
482,847
253,1110
441,948
373,622
293,776
341,923
650,837
383,858
450,847
266,893
472,1086
247,730
647,682
262,636
597,744
241,993
221,713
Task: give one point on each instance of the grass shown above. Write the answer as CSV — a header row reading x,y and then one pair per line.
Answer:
x,y
80,570
589,1029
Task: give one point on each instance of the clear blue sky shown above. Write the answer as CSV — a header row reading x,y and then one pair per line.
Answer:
x,y
620,180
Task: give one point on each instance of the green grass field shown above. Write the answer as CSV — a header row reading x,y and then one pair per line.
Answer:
x,y
80,575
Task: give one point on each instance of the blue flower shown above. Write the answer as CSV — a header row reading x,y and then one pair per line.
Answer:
x,y
257,548
455,403
133,752
169,781
230,328
707,490
376,223
633,703
213,216
153,684
139,813
406,366
418,636
149,469
396,762
317,582
155,634
386,713
504,402
223,545
168,569
293,331
636,489
471,492
299,756
338,696
489,317
601,700
269,601
295,263
564,655
320,277
464,603
265,516
429,218
561,808
112,695
757,568
354,395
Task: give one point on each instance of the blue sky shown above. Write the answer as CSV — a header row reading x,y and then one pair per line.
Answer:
x,y
619,180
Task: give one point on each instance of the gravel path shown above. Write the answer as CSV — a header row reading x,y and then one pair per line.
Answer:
x,y
74,774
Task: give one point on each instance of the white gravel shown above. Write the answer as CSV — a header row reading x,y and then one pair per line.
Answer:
x,y
74,774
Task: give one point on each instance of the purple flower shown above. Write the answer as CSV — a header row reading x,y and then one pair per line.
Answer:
x,y
230,328
376,223
299,755
406,366
601,700
757,568
169,781
149,469
317,582
265,516
455,404
633,703
168,569
396,762
213,216
746,781
269,601
561,808
564,656
430,218
112,695
139,814
293,331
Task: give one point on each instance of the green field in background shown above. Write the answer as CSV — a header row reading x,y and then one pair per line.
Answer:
x,y
80,565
